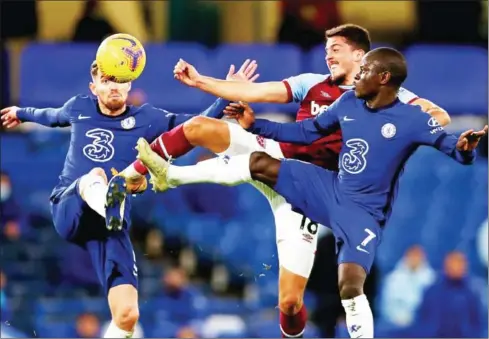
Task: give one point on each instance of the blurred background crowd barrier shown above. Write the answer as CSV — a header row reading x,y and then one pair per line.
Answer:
x,y
208,267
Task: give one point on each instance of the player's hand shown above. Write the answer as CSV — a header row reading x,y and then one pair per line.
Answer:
x,y
469,140
246,72
186,73
9,117
242,112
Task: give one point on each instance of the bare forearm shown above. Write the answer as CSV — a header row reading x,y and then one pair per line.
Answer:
x,y
435,111
243,91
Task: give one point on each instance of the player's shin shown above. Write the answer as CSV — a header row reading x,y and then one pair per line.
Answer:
x,y
293,325
171,144
359,318
115,332
228,171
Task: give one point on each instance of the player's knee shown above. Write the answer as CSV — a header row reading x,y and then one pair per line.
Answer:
x,y
96,175
351,280
349,288
289,302
98,171
126,316
259,162
198,128
264,168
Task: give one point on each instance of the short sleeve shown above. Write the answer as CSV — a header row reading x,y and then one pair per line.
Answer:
x,y
406,96
298,86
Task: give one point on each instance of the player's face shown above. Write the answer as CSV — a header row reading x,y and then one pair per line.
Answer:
x,y
367,81
110,94
342,59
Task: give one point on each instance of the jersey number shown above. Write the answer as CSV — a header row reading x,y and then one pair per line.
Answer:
x,y
312,227
353,159
371,235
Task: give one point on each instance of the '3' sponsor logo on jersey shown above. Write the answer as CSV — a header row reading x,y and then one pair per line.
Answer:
x,y
101,149
353,159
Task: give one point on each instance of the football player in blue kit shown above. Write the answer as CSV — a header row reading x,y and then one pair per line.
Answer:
x,y
380,134
103,134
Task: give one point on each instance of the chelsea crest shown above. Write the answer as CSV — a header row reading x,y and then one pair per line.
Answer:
x,y
128,123
388,130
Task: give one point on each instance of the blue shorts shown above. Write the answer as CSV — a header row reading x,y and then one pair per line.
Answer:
x,y
313,191
112,253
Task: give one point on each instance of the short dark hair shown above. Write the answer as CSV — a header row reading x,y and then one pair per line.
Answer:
x,y
357,36
94,69
392,61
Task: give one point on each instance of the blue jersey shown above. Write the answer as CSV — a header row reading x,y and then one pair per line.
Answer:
x,y
99,140
377,144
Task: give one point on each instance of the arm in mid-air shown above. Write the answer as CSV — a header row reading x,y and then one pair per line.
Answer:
x,y
230,89
429,132
303,132
271,92
426,105
432,109
51,117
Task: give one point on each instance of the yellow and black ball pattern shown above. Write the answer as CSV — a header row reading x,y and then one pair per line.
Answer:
x,y
121,57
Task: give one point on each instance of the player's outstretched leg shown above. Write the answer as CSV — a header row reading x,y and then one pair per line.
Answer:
x,y
228,171
215,135
359,318
156,165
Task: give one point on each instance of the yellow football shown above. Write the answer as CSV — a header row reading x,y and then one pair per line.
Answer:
x,y
121,57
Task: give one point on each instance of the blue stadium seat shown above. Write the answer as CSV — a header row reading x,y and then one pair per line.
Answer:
x,y
50,74
439,201
53,329
275,63
162,89
455,77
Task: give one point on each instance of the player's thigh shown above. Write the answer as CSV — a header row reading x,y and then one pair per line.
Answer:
x,y
308,188
243,142
67,208
296,237
113,259
358,235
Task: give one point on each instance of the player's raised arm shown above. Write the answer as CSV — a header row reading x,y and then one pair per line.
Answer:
x,y
51,117
428,131
303,132
275,92
426,105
